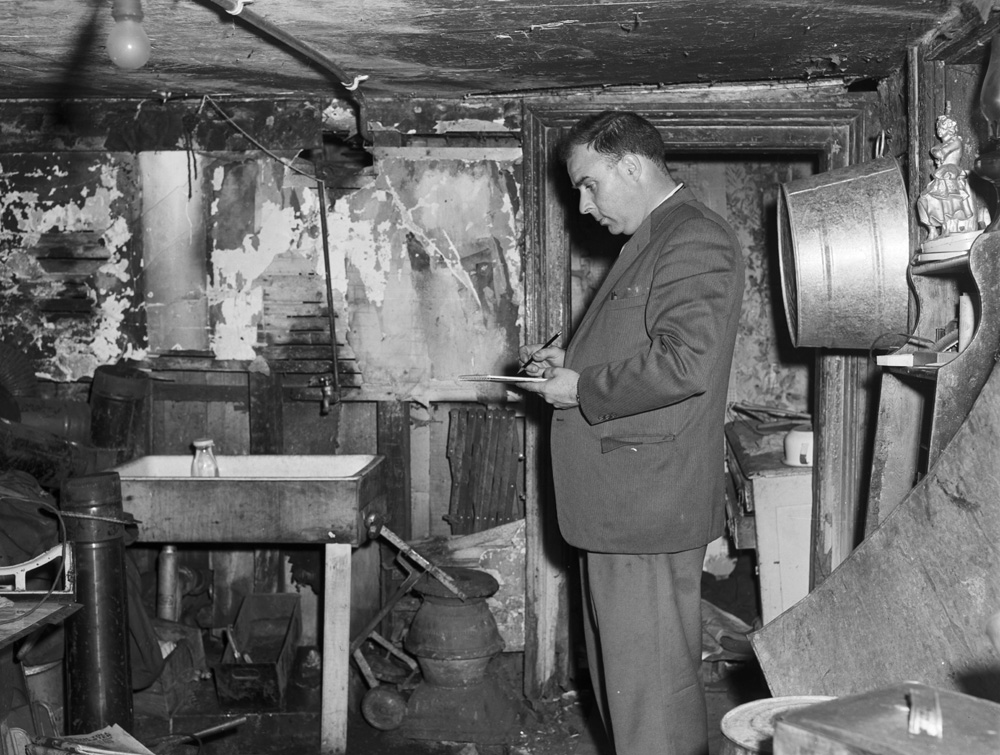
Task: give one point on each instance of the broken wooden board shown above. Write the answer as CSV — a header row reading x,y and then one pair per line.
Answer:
x,y
913,600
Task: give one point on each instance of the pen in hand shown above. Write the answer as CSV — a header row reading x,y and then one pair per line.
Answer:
x,y
546,345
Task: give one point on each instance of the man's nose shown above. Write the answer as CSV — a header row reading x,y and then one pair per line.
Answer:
x,y
586,206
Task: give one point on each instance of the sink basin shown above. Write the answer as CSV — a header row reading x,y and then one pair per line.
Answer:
x,y
256,499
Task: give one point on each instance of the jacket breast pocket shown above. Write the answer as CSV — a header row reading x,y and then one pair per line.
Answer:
x,y
626,303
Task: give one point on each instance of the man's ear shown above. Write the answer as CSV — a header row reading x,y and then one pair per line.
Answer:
x,y
632,165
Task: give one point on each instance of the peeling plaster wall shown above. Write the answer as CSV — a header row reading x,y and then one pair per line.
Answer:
x,y
68,292
425,262
260,212
767,369
433,254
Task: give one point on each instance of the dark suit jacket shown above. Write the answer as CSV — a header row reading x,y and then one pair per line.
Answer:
x,y
638,466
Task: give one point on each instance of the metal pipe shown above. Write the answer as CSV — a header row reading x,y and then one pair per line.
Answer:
x,y
167,602
97,639
321,191
346,82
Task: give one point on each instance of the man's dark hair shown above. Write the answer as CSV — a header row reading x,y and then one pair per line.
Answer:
x,y
615,133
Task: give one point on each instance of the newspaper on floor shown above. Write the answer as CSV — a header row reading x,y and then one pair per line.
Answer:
x,y
111,740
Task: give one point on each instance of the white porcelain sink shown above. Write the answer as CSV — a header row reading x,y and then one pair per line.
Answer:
x,y
256,499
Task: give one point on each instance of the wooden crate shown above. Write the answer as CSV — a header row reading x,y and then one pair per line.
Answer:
x,y
876,723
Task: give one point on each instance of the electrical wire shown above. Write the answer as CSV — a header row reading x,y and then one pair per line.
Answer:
x,y
262,25
321,194
207,98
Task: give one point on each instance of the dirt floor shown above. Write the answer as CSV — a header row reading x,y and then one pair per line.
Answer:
x,y
564,724
567,724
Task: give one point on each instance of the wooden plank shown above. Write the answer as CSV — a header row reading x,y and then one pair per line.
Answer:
x,y
309,352
485,469
286,334
266,437
959,382
151,124
473,442
502,486
393,432
243,510
169,391
457,427
336,642
27,616
912,601
345,366
845,390
963,36
266,416
298,320
228,423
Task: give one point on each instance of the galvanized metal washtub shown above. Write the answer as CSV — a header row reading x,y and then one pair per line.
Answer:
x,y
748,729
844,247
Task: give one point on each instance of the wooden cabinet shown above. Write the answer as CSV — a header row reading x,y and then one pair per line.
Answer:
x,y
770,512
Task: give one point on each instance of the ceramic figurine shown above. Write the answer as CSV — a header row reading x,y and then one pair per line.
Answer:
x,y
946,205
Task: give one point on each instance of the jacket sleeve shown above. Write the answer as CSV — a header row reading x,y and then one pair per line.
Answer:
x,y
695,290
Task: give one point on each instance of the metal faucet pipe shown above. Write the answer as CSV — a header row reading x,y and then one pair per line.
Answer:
x,y
335,394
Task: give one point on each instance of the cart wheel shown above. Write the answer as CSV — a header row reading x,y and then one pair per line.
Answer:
x,y
383,708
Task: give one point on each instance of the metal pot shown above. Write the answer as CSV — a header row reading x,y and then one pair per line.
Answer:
x,y
454,640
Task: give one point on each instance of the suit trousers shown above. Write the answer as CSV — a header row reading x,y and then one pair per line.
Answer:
x,y
642,626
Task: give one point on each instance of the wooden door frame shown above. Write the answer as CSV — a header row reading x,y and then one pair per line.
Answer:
x,y
837,126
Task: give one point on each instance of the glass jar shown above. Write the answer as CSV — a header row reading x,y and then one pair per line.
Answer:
x,y
204,463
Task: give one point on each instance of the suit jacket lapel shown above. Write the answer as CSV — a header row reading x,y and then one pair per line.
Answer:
x,y
629,253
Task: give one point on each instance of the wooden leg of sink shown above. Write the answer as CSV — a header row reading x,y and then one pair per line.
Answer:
x,y
336,646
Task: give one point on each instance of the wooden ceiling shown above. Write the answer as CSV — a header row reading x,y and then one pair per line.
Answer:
x,y
451,48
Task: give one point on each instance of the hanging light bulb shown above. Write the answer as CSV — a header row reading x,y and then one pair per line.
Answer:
x,y
128,44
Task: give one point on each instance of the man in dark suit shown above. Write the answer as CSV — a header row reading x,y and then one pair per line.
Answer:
x,y
637,432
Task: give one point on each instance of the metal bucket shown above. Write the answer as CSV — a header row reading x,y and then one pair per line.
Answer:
x,y
748,729
46,686
844,246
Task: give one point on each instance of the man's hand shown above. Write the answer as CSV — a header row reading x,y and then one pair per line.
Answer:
x,y
559,389
540,358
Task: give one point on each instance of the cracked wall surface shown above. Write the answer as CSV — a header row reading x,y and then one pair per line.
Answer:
x,y
433,262
425,262
68,288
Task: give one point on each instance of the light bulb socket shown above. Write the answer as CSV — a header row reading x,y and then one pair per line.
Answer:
x,y
131,9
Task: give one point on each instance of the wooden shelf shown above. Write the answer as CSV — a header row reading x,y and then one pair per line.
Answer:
x,y
919,360
25,620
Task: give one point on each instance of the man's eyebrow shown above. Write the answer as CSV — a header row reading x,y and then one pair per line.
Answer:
x,y
582,180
